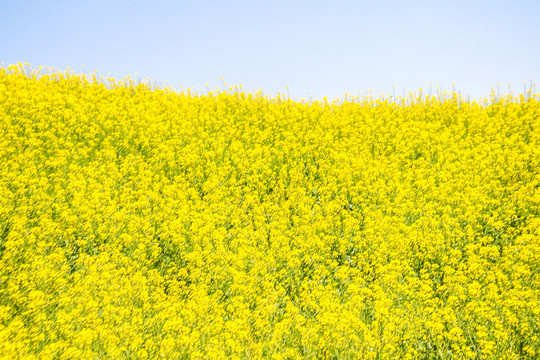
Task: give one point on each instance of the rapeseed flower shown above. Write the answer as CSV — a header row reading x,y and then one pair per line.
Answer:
x,y
143,223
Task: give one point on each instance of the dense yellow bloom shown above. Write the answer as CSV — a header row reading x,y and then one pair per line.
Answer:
x,y
141,223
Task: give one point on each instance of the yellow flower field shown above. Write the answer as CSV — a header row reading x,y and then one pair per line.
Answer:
x,y
142,223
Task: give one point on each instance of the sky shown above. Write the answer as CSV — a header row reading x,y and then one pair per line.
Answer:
x,y
306,49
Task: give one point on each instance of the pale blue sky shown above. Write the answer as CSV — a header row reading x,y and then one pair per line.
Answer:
x,y
317,48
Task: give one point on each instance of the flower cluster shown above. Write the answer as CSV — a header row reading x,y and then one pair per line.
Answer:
x,y
143,223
